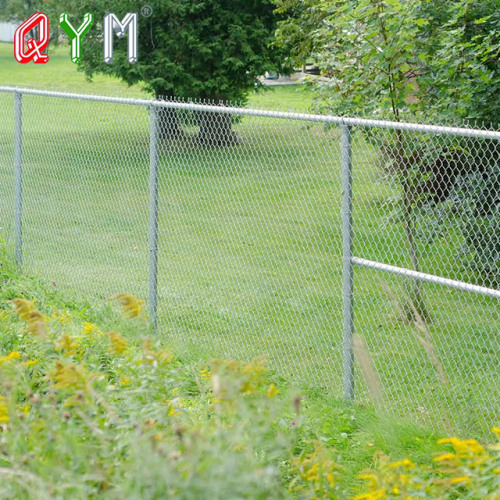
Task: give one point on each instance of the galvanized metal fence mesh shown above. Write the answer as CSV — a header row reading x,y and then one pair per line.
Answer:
x,y
429,203
360,257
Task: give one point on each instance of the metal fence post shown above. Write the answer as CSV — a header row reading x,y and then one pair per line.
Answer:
x,y
347,273
153,216
18,175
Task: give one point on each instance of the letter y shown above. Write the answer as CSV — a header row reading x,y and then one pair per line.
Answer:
x,y
76,35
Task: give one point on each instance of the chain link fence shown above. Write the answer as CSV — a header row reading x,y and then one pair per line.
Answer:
x,y
361,257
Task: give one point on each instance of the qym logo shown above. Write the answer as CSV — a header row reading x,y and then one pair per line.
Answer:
x,y
35,47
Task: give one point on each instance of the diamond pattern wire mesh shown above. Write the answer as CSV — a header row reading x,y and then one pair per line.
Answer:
x,y
429,203
6,168
250,241
85,194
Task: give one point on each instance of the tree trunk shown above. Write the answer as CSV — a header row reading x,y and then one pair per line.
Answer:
x,y
168,123
216,129
168,120
408,200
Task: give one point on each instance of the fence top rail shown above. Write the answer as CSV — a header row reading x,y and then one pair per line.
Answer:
x,y
337,120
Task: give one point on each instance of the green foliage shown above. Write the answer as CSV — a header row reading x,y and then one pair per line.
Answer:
x,y
465,469
369,55
460,51
436,60
86,413
365,49
211,50
19,10
295,31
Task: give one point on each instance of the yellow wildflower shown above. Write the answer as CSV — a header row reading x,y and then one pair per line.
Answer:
x,y
30,362
23,307
464,448
125,381
253,372
372,478
205,374
474,446
372,495
27,311
157,357
65,318
118,344
458,445
404,479
4,411
173,406
67,345
459,480
402,463
317,469
272,391
330,479
68,376
89,328
445,457
163,356
313,473
10,357
36,324
131,306
172,412
451,440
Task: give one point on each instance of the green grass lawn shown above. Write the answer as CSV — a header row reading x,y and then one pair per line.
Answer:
x,y
250,243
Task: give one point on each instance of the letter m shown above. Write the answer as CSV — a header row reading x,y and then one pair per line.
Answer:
x,y
111,22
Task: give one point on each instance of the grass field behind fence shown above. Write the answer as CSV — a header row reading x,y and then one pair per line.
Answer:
x,y
250,243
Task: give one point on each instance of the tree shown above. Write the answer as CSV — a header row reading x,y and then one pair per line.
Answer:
x,y
212,50
20,10
401,57
415,60
462,82
295,31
